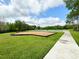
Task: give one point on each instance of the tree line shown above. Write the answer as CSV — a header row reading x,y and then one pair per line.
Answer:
x,y
22,26
16,26
57,27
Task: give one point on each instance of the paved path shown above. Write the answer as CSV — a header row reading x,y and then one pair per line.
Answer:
x,y
65,48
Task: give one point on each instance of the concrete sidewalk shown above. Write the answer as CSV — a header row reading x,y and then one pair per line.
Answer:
x,y
65,48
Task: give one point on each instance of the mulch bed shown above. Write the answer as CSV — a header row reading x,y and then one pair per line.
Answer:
x,y
44,34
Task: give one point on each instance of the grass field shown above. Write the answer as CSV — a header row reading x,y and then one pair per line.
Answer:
x,y
26,47
75,35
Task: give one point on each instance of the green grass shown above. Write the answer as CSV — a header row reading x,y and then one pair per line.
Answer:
x,y
26,47
75,35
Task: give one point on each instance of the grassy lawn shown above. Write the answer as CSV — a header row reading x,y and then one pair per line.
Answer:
x,y
26,47
75,35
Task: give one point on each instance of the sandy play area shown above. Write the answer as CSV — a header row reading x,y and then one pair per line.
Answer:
x,y
33,33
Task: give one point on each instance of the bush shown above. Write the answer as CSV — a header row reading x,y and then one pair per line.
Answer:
x,y
76,27
68,27
53,27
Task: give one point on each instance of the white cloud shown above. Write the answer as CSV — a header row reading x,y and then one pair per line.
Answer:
x,y
50,21
51,3
21,8
35,6
25,7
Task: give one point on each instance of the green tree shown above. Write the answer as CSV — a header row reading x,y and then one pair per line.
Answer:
x,y
73,6
20,25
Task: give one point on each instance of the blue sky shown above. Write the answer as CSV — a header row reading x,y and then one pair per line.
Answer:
x,y
5,2
60,11
32,10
